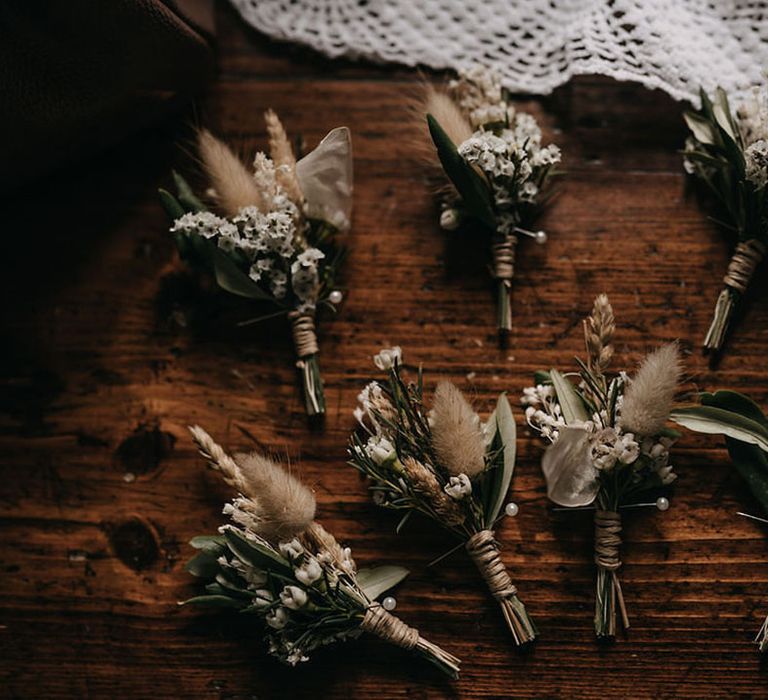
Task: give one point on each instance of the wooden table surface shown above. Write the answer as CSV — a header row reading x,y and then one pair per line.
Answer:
x,y
104,366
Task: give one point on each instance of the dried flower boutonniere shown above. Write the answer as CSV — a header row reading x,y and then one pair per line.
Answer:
x,y
608,441
729,153
272,239
278,563
444,463
494,158
745,428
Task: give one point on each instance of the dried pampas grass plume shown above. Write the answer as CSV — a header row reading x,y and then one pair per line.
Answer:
x,y
234,186
447,113
280,506
456,435
281,152
648,398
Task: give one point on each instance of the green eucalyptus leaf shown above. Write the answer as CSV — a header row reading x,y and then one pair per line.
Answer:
x,y
214,601
569,399
232,279
203,565
185,194
752,463
215,544
377,580
541,376
173,209
736,402
501,476
471,186
700,127
718,421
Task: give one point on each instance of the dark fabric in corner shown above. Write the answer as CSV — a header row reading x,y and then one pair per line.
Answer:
x,y
79,75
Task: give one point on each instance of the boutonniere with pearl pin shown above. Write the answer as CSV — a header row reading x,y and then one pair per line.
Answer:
x,y
444,463
271,233
275,562
609,444
497,168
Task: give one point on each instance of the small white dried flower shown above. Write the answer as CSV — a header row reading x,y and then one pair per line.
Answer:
x,y
380,449
277,618
756,161
291,550
293,597
388,357
262,598
308,572
458,487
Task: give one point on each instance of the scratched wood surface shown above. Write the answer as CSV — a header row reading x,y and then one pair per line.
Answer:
x,y
105,363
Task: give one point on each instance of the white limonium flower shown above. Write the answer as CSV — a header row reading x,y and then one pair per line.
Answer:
x,y
308,572
277,618
380,449
291,550
202,223
458,487
293,597
387,357
756,161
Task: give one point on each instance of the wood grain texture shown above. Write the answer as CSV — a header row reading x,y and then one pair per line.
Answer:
x,y
104,365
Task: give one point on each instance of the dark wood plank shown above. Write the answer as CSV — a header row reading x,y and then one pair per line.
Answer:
x,y
104,366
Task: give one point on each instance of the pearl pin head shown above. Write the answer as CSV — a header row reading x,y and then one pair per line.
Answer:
x,y
389,603
335,297
662,503
512,509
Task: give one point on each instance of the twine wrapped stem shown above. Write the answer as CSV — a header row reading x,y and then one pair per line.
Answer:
x,y
392,629
607,545
503,270
741,269
484,551
305,342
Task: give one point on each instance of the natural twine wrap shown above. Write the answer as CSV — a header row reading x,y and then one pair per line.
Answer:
x,y
484,551
389,628
747,257
607,544
503,251
304,336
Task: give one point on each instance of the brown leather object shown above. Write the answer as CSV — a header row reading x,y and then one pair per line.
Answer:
x,y
78,75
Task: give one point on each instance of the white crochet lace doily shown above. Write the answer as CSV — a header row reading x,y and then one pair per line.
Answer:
x,y
536,45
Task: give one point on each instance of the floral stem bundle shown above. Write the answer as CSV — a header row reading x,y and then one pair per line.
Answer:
x,y
494,159
275,561
445,464
608,441
272,237
745,428
729,154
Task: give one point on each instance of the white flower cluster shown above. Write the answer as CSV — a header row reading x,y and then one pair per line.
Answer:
x,y
506,146
609,445
269,243
310,572
753,117
756,160
542,411
479,93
